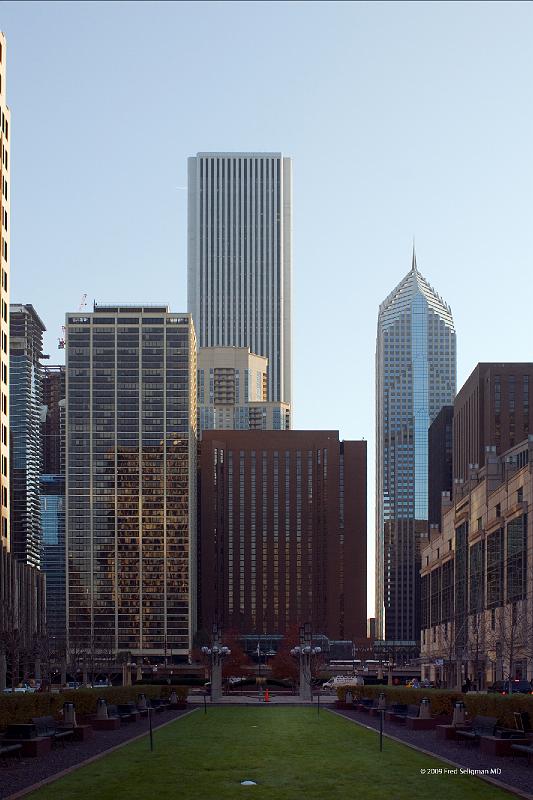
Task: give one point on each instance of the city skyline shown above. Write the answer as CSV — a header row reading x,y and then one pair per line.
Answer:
x,y
399,135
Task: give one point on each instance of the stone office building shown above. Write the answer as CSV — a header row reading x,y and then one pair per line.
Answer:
x,y
477,576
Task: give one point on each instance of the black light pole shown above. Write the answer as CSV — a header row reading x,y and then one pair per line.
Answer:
x,y
151,732
381,713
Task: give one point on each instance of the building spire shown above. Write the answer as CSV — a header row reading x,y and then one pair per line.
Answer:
x,y
414,267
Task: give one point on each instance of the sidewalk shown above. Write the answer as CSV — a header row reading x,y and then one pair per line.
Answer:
x,y
254,700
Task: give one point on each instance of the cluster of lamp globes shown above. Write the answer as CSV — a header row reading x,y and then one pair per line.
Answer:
x,y
306,650
217,651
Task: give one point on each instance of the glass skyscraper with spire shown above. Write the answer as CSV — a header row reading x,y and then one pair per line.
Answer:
x,y
415,376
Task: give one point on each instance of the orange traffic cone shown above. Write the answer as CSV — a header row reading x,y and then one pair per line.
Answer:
x,y
267,696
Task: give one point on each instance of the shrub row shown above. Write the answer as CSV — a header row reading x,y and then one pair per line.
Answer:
x,y
20,708
443,700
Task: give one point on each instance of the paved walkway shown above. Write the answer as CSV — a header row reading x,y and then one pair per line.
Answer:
x,y
515,773
253,700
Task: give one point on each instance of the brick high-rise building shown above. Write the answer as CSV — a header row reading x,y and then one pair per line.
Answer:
x,y
494,407
283,532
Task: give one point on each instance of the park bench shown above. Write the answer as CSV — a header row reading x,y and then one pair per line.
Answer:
x,y
158,704
128,710
124,715
9,750
522,748
481,726
47,726
411,711
25,735
397,712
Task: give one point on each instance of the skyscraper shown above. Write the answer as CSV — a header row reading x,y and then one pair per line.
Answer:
x,y
239,257
22,586
26,343
283,532
5,224
415,377
131,480
53,501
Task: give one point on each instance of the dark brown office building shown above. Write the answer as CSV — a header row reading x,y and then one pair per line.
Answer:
x,y
283,532
494,407
53,427
440,460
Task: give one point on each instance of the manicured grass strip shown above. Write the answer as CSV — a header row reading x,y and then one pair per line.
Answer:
x,y
290,752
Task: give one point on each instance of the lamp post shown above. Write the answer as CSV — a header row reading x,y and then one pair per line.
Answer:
x,y
216,653
304,653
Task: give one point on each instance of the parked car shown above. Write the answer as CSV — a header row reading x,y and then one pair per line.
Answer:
x,y
20,689
511,687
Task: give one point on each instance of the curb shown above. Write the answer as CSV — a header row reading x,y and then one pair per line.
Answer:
x,y
500,784
51,778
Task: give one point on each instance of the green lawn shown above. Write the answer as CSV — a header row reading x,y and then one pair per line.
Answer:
x,y
289,752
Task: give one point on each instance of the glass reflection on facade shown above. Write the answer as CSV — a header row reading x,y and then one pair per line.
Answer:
x,y
131,472
415,377
53,561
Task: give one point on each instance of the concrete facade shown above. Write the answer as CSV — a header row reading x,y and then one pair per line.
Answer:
x,y
232,392
239,257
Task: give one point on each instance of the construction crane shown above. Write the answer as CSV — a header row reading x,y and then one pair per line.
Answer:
x,y
61,340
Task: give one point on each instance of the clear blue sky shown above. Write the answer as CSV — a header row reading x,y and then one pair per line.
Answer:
x,y
401,118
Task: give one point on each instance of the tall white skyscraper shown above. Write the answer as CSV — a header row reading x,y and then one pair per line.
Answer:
x,y
415,376
239,257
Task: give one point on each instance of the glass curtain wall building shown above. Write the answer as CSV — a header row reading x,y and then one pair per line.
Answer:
x,y
26,343
415,377
130,480
239,257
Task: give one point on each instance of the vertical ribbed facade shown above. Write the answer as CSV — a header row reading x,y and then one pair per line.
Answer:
x,y
239,257
26,341
131,480
415,377
5,224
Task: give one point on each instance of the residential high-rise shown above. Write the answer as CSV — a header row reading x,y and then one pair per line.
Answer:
x,y
5,225
26,344
232,392
415,377
22,602
493,407
283,532
131,479
52,488
239,257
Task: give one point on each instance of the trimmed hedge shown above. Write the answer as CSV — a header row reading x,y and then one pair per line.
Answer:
x,y
20,708
443,700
